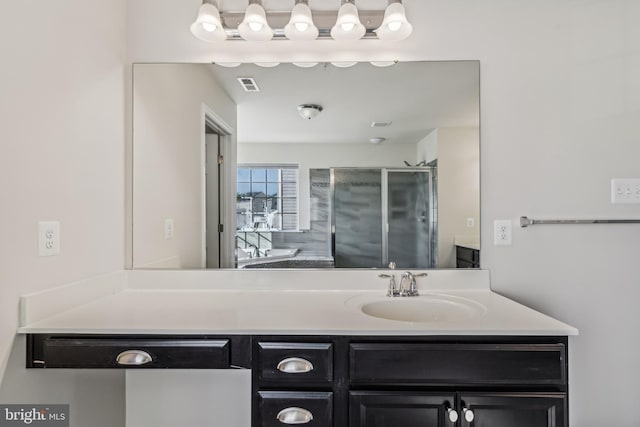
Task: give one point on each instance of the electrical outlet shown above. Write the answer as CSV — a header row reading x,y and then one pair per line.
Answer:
x,y
48,238
471,223
625,191
502,232
168,228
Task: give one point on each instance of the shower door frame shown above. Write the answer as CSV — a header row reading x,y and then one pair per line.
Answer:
x,y
384,206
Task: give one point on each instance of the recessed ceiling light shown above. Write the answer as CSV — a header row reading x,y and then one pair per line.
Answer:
x,y
377,140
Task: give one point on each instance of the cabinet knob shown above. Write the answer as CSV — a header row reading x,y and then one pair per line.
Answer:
x,y
453,415
133,358
469,416
294,416
295,365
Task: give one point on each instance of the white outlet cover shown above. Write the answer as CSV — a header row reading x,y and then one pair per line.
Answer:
x,y
48,238
625,191
502,232
168,228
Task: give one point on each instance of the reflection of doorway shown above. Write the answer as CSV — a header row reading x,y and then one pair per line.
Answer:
x,y
213,199
217,162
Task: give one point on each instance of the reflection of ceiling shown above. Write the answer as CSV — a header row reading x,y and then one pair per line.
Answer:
x,y
415,96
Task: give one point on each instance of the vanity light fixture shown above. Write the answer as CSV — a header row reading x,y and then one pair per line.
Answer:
x,y
254,27
348,23
208,26
377,140
395,26
301,26
309,111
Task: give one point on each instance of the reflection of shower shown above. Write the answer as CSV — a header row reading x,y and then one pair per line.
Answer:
x,y
382,215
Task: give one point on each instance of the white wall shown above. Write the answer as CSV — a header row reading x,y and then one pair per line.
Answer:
x,y
167,159
458,153
560,85
62,109
313,156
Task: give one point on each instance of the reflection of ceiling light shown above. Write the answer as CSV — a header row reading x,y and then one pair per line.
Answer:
x,y
305,64
254,26
309,111
344,64
394,26
208,26
348,25
377,140
383,63
300,26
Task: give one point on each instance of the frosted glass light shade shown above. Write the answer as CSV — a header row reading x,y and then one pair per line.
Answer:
x,y
395,26
208,26
300,26
348,25
254,26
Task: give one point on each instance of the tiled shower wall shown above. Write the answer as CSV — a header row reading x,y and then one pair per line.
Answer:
x,y
315,242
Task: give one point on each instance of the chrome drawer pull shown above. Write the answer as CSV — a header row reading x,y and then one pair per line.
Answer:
x,y
134,358
453,415
469,416
295,365
294,416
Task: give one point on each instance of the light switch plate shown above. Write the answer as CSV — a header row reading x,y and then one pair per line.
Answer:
x,y
625,191
168,228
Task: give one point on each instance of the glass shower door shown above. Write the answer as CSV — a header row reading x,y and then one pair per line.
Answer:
x,y
356,217
410,218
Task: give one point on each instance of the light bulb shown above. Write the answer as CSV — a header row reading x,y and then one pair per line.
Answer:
x,y
301,26
394,26
209,26
255,26
347,26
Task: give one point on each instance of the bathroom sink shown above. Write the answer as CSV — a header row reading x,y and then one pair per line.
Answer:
x,y
428,308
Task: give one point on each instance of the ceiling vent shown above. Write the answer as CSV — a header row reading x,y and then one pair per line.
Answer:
x,y
248,84
380,124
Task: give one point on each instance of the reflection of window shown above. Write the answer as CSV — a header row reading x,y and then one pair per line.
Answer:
x,y
267,197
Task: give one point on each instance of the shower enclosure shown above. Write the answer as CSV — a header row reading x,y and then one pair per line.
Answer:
x,y
383,215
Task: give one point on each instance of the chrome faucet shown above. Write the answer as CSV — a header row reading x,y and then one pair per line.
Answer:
x,y
410,290
408,286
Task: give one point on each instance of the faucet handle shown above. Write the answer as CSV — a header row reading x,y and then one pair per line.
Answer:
x,y
393,289
413,286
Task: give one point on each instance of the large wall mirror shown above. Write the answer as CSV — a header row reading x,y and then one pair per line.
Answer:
x,y
295,166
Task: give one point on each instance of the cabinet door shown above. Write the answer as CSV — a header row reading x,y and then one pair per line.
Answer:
x,y
513,409
399,409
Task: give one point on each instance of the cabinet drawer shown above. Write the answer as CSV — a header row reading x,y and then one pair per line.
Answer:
x,y
279,408
60,352
295,363
457,364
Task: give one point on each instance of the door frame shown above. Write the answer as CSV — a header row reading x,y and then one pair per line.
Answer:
x,y
226,178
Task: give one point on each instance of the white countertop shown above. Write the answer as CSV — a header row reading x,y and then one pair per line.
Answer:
x,y
228,303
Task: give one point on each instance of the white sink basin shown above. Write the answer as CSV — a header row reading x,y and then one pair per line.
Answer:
x,y
428,308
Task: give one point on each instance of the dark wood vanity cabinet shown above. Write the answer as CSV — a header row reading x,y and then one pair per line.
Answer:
x,y
416,381
354,381
467,257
